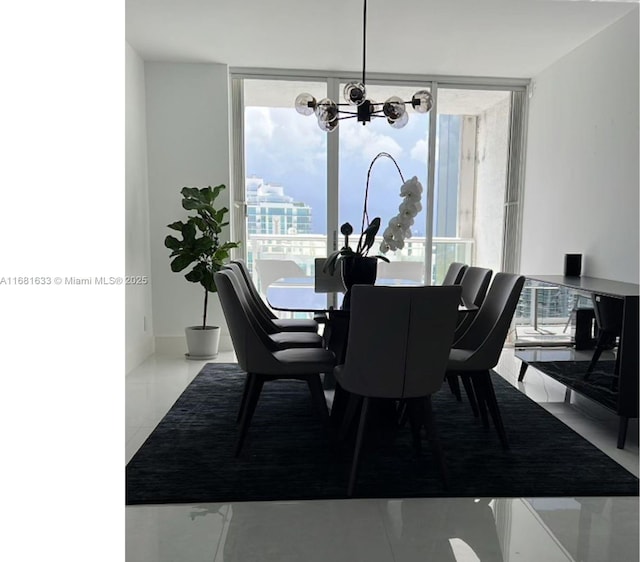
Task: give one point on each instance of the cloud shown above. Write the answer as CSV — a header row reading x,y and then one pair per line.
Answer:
x,y
259,125
285,138
356,139
420,151
299,142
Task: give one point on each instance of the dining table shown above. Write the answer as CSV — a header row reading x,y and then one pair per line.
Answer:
x,y
297,295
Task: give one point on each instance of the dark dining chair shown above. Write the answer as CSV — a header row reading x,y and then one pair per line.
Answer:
x,y
608,312
261,358
403,358
282,339
478,350
475,283
454,273
283,324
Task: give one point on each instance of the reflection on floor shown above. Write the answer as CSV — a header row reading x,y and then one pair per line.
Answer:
x,y
442,530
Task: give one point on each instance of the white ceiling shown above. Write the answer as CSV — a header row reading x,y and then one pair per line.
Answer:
x,y
489,38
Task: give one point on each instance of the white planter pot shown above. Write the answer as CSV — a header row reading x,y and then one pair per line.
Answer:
x,y
202,344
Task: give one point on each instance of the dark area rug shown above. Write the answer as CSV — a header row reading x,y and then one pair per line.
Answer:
x,y
599,386
289,456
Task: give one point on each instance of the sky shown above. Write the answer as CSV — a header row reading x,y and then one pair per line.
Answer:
x,y
286,148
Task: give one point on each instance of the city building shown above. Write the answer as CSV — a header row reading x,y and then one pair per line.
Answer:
x,y
271,211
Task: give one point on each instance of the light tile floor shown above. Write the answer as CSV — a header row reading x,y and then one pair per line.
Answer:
x,y
400,530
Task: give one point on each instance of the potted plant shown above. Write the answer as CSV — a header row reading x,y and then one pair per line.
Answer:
x,y
356,263
356,266
200,247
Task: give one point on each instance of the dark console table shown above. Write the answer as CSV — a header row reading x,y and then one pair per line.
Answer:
x,y
627,399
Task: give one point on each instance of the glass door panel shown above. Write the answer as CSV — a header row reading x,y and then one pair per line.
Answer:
x,y
409,147
472,151
286,183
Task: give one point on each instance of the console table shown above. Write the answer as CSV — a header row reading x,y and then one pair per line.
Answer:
x,y
627,399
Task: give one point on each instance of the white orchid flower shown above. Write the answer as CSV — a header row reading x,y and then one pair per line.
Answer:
x,y
400,225
406,221
410,206
411,188
387,234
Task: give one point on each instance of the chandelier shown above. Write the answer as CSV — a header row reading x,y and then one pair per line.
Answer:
x,y
329,112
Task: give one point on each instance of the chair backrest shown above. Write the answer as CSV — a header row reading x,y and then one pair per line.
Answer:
x,y
488,330
325,282
251,292
454,273
475,283
272,270
251,344
608,312
399,339
401,270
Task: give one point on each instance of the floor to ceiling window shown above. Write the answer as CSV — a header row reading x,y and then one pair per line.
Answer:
x,y
301,183
285,183
472,154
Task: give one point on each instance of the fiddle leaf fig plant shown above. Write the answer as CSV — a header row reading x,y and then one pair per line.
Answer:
x,y
199,243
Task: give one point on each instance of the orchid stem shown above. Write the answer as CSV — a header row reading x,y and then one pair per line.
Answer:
x,y
365,213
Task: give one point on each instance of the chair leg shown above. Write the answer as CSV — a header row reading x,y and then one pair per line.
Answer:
x,y
253,393
356,454
243,401
468,388
623,424
479,389
317,395
402,413
349,416
434,440
454,385
416,419
492,405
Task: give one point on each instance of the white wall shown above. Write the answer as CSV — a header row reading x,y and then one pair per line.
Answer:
x,y
188,145
581,188
139,343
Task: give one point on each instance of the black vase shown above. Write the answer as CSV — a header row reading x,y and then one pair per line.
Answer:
x,y
357,270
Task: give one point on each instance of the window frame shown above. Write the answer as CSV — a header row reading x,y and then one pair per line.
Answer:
x,y
512,216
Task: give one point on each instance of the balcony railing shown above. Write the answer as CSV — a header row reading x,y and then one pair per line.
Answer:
x,y
304,248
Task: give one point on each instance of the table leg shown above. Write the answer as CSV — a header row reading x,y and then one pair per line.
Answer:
x,y
623,424
567,396
340,401
523,370
337,331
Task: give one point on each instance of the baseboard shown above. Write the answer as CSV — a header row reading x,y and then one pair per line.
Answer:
x,y
177,345
136,354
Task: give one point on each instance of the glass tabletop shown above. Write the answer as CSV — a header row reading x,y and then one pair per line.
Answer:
x,y
298,294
